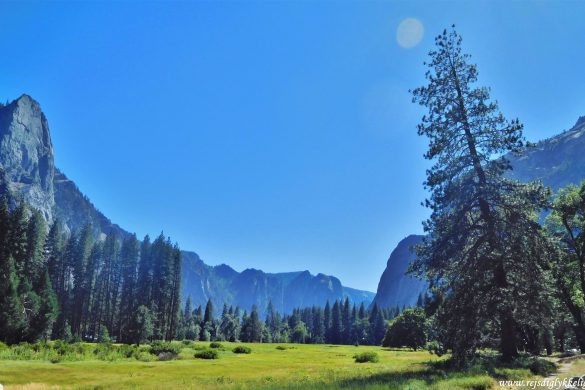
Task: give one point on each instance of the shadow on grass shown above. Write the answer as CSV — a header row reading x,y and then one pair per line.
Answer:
x,y
484,373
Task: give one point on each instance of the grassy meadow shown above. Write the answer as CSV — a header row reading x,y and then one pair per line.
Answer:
x,y
268,366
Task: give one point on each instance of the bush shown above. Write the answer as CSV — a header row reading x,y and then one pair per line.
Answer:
x,y
55,359
242,349
165,356
186,343
144,357
542,367
365,357
157,347
215,344
128,350
283,347
409,329
104,335
207,354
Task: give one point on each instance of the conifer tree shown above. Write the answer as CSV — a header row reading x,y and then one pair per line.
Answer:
x,y
477,215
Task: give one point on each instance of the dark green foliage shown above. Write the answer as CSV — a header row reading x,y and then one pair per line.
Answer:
x,y
566,226
207,354
485,253
104,336
366,357
141,327
299,333
242,349
215,344
158,346
409,329
542,367
70,287
252,327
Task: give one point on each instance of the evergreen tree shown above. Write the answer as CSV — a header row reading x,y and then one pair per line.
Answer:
x,y
346,322
377,326
252,327
477,214
336,324
79,259
318,335
327,323
129,255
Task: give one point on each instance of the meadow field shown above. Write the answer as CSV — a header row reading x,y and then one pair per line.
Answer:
x,y
268,366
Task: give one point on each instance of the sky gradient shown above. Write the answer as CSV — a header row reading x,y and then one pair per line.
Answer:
x,y
272,135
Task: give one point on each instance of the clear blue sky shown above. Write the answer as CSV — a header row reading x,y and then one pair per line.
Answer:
x,y
272,135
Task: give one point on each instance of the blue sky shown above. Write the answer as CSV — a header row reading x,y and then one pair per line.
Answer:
x,y
272,135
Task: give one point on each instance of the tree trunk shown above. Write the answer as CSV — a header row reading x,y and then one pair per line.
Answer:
x,y
508,337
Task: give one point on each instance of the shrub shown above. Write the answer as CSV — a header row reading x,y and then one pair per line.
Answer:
x,y
104,335
3,346
128,350
409,329
157,347
144,357
542,367
165,356
207,354
55,359
365,357
215,344
186,343
283,347
242,349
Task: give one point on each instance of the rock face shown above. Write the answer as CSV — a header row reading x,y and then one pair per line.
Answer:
x,y
286,291
557,162
27,159
395,287
26,154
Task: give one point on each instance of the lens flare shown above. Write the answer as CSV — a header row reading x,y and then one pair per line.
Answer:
x,y
409,33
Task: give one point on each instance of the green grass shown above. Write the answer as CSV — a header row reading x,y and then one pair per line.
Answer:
x,y
302,367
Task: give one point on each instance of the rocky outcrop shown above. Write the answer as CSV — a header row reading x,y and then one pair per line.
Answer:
x,y
396,288
557,161
26,154
75,210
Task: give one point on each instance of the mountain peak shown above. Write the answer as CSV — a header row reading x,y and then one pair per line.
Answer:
x,y
580,121
26,153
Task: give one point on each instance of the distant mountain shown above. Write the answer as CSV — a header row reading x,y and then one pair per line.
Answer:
x,y
28,173
222,284
557,162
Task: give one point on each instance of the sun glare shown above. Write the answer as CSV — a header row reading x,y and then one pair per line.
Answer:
x,y
409,33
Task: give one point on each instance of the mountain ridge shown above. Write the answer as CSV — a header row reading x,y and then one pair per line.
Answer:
x,y
29,173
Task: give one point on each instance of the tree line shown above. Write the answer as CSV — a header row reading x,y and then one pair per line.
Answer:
x,y
72,286
339,323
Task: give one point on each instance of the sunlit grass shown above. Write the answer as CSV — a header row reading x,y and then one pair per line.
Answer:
x,y
301,367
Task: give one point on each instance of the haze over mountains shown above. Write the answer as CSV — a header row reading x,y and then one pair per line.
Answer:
x,y
557,161
29,173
